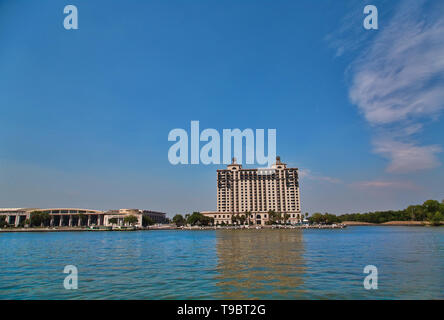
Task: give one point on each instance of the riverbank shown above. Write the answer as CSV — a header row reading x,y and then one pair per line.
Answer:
x,y
171,227
390,223
333,226
61,229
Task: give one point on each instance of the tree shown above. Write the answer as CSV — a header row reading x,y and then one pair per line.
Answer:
x,y
207,221
431,206
131,220
179,220
3,222
147,221
286,217
199,219
113,220
236,219
194,218
247,216
46,218
39,218
330,218
436,218
273,216
416,213
316,218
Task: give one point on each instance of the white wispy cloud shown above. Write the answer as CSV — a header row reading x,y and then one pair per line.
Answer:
x,y
394,82
398,83
348,36
382,184
407,156
308,174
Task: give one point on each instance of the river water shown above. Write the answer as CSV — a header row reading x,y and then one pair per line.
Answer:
x,y
225,264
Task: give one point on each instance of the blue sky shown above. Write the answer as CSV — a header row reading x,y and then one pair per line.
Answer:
x,y
86,113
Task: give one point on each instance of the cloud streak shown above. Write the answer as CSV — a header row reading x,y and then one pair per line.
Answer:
x,y
381,184
405,157
307,174
399,83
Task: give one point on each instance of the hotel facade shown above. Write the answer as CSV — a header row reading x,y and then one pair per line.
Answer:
x,y
253,193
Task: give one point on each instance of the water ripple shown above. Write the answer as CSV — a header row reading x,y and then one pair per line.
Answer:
x,y
225,264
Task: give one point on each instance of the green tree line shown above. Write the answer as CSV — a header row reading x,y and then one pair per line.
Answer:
x,y
194,219
430,210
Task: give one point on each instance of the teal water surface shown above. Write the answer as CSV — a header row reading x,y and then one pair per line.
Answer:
x,y
225,264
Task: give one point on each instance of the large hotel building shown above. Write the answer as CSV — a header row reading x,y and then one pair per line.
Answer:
x,y
255,192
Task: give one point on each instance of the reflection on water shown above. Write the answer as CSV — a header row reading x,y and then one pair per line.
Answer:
x,y
256,264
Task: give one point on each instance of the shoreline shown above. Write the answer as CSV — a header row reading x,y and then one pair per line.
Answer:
x,y
389,223
170,227
343,225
